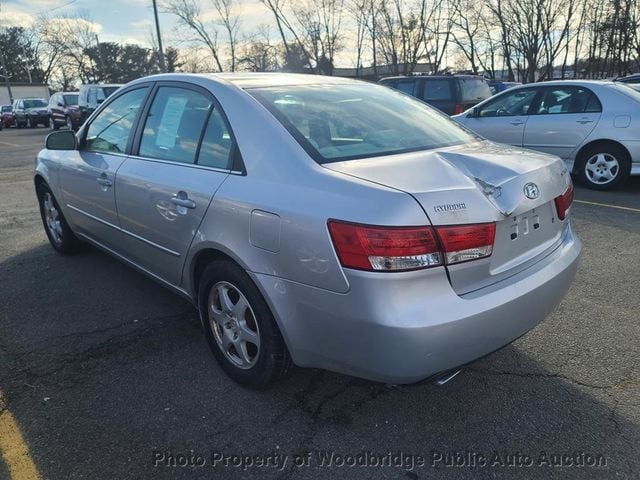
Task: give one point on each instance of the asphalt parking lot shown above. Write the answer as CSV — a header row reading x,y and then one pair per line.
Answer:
x,y
104,374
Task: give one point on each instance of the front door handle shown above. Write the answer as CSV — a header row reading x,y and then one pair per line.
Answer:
x,y
181,199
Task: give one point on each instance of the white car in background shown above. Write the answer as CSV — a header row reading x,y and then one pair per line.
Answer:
x,y
593,125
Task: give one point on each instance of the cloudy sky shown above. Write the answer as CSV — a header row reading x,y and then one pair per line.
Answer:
x,y
125,21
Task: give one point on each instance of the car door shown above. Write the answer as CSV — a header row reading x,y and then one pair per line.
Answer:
x,y
87,176
183,154
18,113
503,117
564,117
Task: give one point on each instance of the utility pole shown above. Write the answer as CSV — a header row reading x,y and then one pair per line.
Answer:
x,y
6,76
163,68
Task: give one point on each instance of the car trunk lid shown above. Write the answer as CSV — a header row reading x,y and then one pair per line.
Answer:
x,y
480,183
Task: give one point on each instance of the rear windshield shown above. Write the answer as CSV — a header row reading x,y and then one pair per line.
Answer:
x,y
71,99
344,122
34,103
628,90
474,89
437,89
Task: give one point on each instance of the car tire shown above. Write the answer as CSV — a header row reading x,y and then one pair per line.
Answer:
x,y
240,328
603,167
58,232
52,124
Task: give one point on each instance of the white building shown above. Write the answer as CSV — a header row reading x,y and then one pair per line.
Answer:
x,y
22,90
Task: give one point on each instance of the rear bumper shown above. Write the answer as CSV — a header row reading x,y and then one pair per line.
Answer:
x,y
404,327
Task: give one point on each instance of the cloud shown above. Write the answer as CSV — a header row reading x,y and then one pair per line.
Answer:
x,y
14,17
77,24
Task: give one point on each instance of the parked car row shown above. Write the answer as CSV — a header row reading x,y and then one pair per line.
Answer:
x,y
64,109
594,126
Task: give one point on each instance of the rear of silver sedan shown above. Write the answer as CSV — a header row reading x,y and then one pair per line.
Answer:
x,y
493,257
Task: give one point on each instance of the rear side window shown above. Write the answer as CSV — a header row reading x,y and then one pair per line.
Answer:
x,y
110,130
437,89
474,89
174,125
409,87
217,143
569,99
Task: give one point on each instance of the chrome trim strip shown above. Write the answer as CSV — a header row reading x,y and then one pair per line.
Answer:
x,y
93,217
188,165
120,229
153,244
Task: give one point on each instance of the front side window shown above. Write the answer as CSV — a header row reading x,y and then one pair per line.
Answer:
x,y
110,130
436,89
343,122
174,125
568,100
509,104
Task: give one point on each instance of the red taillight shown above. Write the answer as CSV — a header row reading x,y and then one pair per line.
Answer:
x,y
375,248
458,109
461,243
384,248
564,201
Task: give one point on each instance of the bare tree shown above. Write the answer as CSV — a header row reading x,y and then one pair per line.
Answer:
x,y
189,15
230,21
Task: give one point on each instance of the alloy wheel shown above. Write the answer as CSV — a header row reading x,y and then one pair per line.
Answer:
x,y
233,324
52,218
602,168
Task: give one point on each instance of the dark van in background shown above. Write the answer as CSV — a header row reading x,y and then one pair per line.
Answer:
x,y
92,95
452,94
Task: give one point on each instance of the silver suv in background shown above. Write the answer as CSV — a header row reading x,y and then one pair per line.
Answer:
x,y
92,95
593,125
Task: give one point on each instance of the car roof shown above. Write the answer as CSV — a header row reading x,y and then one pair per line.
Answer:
x,y
438,77
252,80
100,85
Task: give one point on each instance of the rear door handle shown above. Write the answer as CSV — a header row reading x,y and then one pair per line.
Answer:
x,y
104,181
181,199
584,121
516,123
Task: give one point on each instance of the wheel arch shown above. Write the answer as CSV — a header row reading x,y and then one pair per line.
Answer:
x,y
199,262
593,143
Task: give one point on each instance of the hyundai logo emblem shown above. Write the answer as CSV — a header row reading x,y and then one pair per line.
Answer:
x,y
531,191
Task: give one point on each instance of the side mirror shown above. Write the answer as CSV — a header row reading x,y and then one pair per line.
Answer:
x,y
62,140
60,104
100,100
475,113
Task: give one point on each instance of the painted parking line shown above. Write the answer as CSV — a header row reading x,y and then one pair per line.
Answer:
x,y
9,144
619,207
14,450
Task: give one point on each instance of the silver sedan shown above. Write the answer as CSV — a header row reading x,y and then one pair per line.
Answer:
x,y
317,221
593,125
